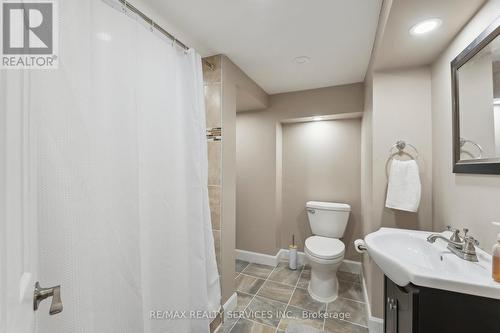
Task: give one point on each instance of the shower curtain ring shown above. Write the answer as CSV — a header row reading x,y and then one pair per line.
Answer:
x,y
173,41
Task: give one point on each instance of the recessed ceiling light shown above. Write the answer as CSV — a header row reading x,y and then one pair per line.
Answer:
x,y
302,60
425,27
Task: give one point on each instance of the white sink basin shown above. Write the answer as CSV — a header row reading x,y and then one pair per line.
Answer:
x,y
406,257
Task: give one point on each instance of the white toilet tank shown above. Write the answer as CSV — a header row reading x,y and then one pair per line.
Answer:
x,y
328,219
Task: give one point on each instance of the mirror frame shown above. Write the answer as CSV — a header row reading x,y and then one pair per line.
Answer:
x,y
485,165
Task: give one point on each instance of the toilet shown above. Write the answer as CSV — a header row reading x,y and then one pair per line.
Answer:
x,y
324,250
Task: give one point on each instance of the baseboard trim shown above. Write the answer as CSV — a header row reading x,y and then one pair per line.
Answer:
x,y
229,306
231,303
282,255
216,324
351,266
258,258
375,324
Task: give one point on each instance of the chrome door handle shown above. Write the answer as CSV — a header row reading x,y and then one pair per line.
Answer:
x,y
393,305
42,293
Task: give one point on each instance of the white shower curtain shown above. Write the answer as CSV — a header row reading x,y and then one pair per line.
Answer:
x,y
123,215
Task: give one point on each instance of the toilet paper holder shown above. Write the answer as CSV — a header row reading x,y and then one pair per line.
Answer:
x,y
360,246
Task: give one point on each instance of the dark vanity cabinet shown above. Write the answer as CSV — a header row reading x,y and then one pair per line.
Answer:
x,y
414,309
400,305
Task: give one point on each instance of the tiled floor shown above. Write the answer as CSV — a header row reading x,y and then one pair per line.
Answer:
x,y
266,293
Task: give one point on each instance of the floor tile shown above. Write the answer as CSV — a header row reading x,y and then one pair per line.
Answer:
x,y
351,290
305,277
258,270
248,284
283,274
352,311
296,327
231,317
346,276
340,326
302,299
299,316
227,325
275,288
276,291
240,265
247,326
242,301
265,311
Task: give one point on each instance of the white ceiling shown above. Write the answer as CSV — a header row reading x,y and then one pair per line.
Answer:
x,y
399,49
263,37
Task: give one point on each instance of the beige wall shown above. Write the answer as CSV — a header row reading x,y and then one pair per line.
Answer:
x,y
369,267
370,270
235,85
460,200
401,110
397,107
321,161
258,206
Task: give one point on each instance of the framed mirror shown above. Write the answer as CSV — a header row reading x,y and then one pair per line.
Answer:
x,y
476,105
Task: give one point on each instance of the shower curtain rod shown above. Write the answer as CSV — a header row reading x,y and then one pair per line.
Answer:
x,y
153,24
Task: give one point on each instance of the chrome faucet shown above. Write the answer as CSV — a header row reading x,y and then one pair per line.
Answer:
x,y
464,248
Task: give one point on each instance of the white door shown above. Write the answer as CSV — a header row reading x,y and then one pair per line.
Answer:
x,y
18,228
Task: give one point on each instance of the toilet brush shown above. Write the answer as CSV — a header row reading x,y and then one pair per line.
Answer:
x,y
292,255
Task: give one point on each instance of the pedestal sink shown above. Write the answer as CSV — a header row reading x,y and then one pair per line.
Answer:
x,y
406,257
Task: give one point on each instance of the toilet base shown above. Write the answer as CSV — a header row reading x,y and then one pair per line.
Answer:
x,y
321,299
324,285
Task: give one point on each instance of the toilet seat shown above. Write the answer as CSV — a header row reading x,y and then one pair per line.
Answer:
x,y
324,247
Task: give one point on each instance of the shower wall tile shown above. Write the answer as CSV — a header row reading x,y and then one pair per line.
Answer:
x,y
213,104
212,76
214,162
213,113
216,234
215,205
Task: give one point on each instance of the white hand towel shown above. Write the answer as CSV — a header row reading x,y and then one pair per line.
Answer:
x,y
404,189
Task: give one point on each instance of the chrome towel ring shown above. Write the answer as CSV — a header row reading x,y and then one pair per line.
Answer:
x,y
400,145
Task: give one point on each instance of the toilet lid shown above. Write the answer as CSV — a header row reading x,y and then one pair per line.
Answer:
x,y
324,247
